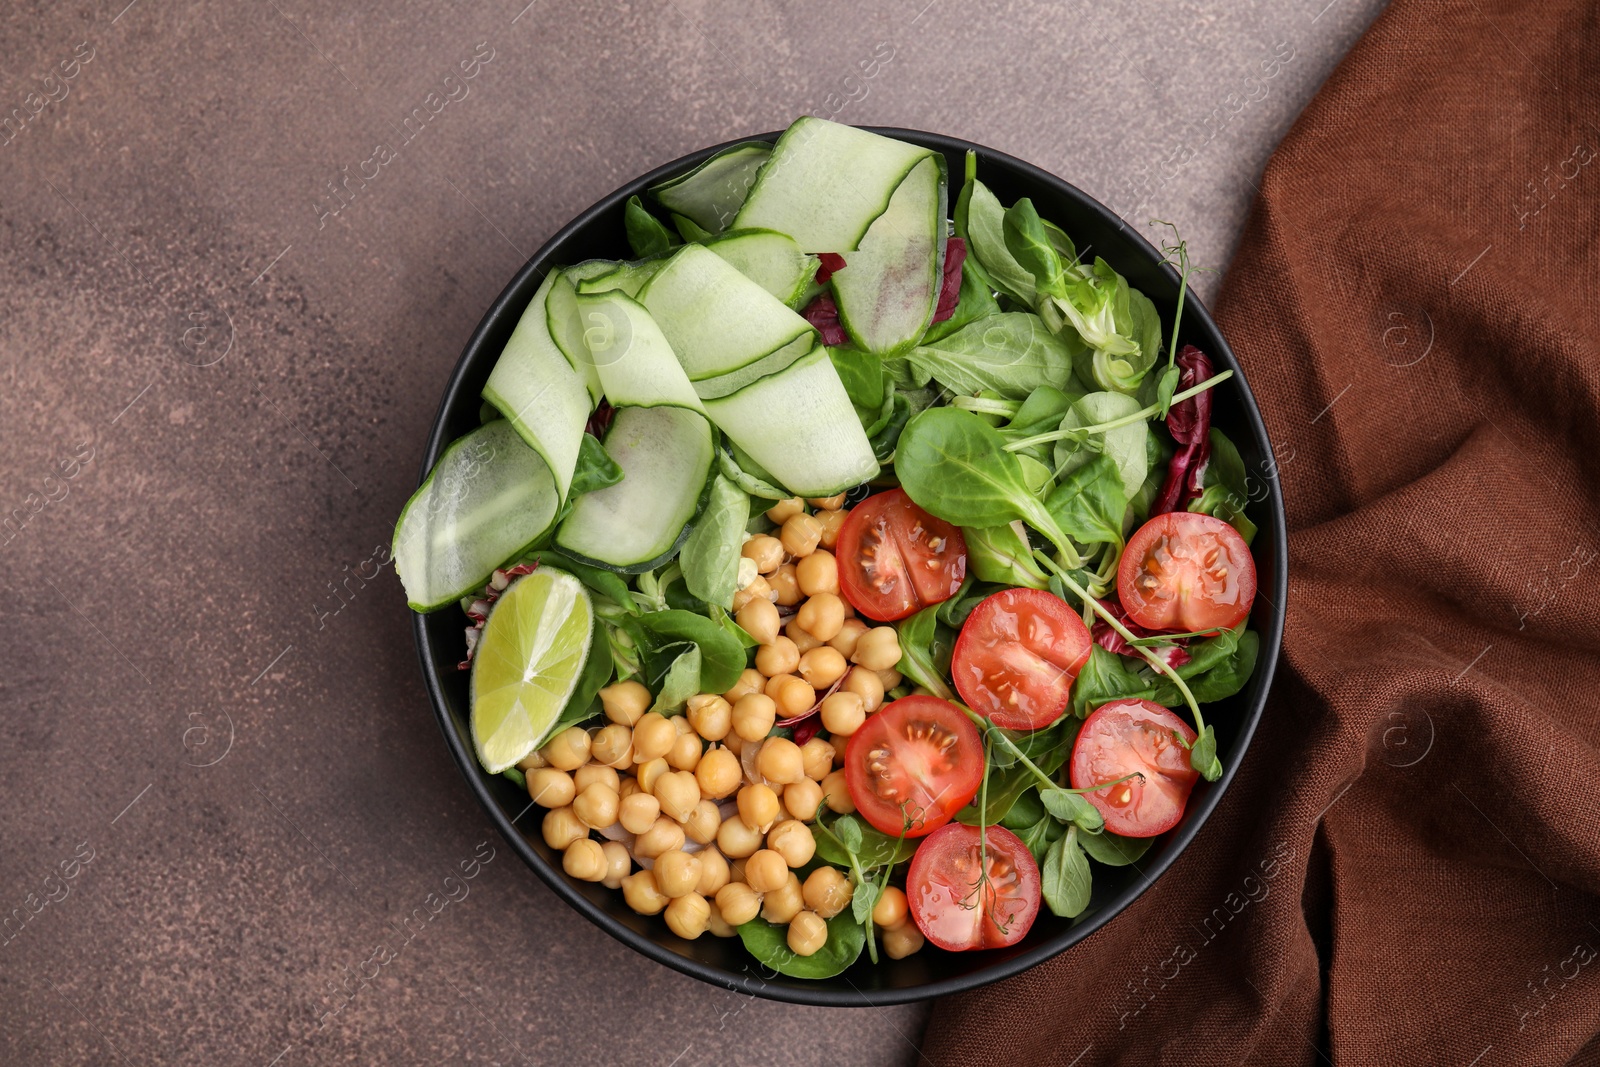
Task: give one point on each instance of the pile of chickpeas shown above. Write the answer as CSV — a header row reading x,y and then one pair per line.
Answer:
x,y
704,816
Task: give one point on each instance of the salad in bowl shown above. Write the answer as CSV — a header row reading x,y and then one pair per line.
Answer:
x,y
846,574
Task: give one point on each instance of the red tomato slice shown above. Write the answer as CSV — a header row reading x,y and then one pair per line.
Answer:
x,y
895,559
1017,656
1186,572
918,759
949,906
1125,736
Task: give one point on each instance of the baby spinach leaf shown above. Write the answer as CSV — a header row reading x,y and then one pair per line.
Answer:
x,y
1223,487
723,657
986,241
953,612
596,469
1090,502
1012,353
925,647
710,556
1229,676
1002,554
769,944
646,235
874,849
1203,755
606,583
1029,244
597,671
1126,444
1109,676
1114,850
681,682
1065,881
1040,834
1027,810
691,230
1073,808
1007,784
955,465
974,302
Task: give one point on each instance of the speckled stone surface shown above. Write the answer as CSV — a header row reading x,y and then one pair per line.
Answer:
x,y
224,792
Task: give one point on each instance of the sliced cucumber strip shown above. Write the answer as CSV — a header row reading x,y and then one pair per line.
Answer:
x,y
716,319
629,277
561,315
665,454
771,363
488,498
539,392
770,259
799,425
889,286
826,183
711,194
636,366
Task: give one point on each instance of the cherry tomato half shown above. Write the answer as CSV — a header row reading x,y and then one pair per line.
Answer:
x,y
1186,572
1017,656
918,759
895,559
1125,736
950,907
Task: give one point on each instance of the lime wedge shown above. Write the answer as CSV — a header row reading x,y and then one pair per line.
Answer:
x,y
527,664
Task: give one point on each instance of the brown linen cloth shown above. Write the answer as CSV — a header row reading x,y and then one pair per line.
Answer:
x,y
1406,870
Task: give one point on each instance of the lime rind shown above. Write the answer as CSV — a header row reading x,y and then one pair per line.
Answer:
x,y
527,664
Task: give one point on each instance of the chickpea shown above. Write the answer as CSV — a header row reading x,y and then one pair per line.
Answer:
x,y
823,666
780,761
734,743
792,840
652,737
802,798
551,788
759,589
648,774
738,839
849,633
738,903
664,836
590,773
759,619
889,913
827,891
765,550
766,871
719,773
585,860
784,510
613,746
688,915
793,696
787,586
801,535
638,812
823,615
843,713
569,749
890,678
818,756
736,869
831,522
866,685
827,503
531,762
749,682
808,932
713,872
837,794
818,573
878,649
678,792
753,716
717,926
618,864
710,715
803,641
783,904
625,702
629,786
677,872
758,807
780,656
902,941
596,807
680,725
561,828
702,824
640,891
685,751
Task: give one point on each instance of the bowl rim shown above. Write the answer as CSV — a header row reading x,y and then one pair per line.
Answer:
x,y
819,995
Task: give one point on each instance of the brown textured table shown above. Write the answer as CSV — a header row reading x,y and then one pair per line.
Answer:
x,y
228,817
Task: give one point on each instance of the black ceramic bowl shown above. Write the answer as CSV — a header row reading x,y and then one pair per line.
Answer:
x,y
598,232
